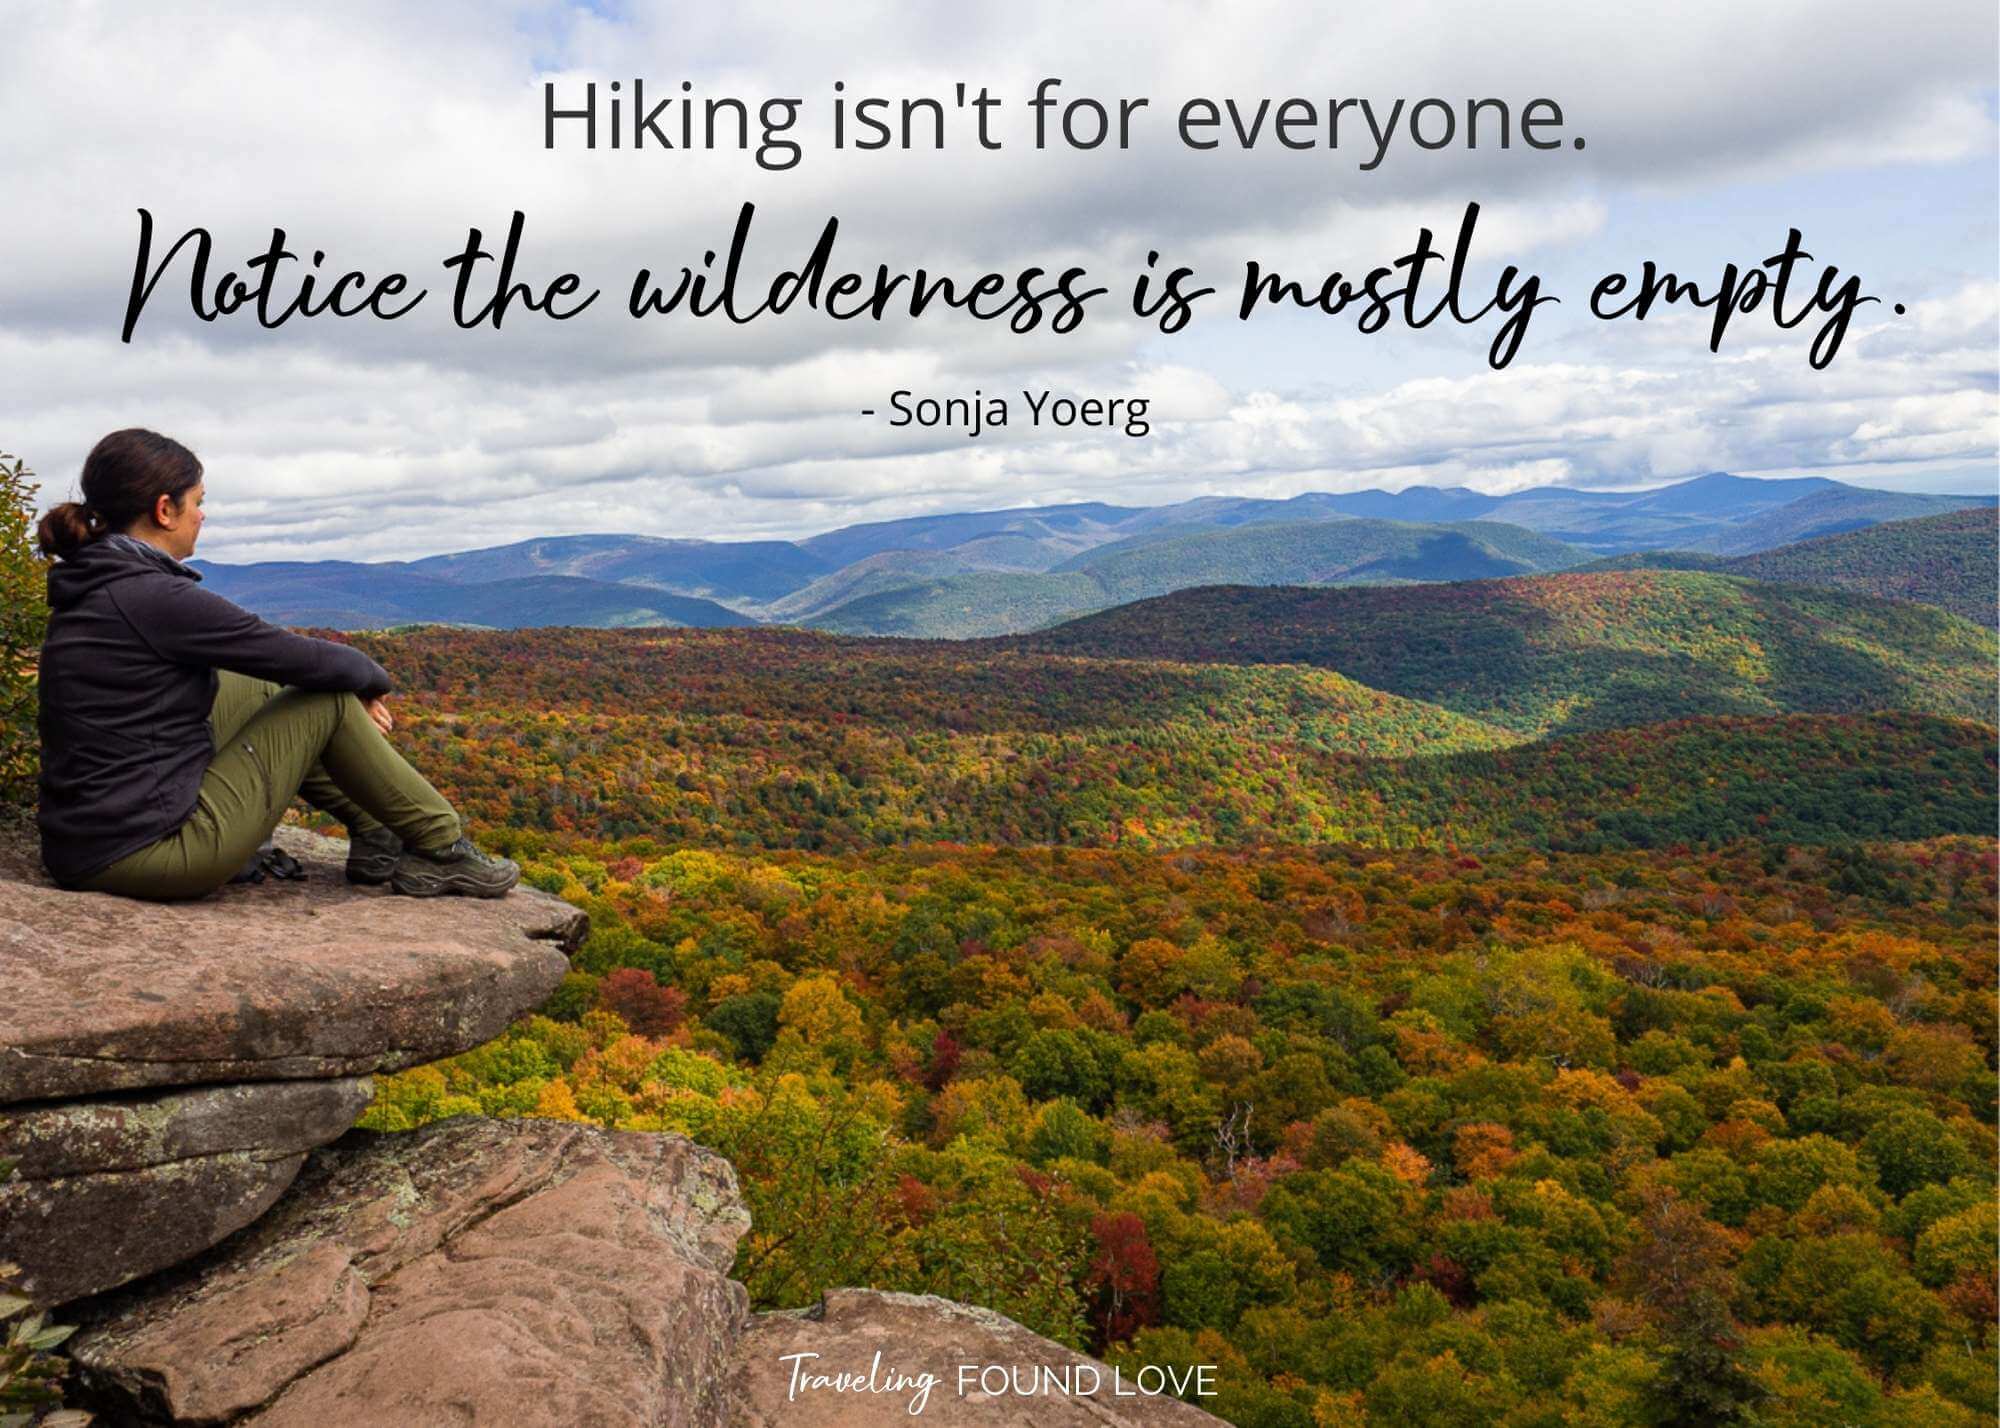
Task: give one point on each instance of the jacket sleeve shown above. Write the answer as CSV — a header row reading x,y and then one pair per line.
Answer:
x,y
188,625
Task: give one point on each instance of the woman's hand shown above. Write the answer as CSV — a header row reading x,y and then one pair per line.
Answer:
x,y
379,712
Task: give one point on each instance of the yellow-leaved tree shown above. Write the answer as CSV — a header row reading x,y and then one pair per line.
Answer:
x,y
24,614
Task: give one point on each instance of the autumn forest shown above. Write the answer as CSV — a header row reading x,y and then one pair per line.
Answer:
x,y
1553,1001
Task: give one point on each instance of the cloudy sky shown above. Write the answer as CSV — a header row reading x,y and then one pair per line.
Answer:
x,y
380,133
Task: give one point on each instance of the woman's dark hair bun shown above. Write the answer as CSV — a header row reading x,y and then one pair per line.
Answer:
x,y
66,529
123,479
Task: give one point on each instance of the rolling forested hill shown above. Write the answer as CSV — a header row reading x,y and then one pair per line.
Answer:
x,y
1951,561
716,570
1358,551
344,596
790,739
963,607
1561,653
1332,552
1823,513
904,687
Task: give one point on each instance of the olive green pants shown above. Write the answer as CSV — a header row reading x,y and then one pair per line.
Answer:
x,y
272,744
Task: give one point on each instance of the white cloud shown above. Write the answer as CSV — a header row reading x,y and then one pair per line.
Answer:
x,y
381,131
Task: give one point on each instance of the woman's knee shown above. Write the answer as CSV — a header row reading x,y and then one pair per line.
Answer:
x,y
238,699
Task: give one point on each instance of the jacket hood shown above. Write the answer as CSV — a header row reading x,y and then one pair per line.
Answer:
x,y
104,562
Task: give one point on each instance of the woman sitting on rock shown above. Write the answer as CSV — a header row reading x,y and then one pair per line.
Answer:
x,y
176,727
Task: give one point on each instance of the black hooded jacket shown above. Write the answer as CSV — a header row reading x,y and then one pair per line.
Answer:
x,y
127,678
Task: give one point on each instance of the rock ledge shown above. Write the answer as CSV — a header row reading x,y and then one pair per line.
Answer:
x,y
259,982
164,1068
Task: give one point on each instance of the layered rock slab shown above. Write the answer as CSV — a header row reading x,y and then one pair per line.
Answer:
x,y
275,981
789,1366
108,1189
474,1271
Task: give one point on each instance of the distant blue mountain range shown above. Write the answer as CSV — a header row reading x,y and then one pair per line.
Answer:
x,y
998,572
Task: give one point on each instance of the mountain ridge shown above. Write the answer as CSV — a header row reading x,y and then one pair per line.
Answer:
x,y
979,573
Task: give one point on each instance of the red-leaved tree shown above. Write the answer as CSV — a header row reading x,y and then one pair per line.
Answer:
x,y
641,1002
1123,1278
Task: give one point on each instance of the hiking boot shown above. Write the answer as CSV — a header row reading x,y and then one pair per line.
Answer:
x,y
371,856
461,869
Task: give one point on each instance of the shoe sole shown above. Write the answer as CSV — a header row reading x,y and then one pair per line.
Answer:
x,y
423,882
